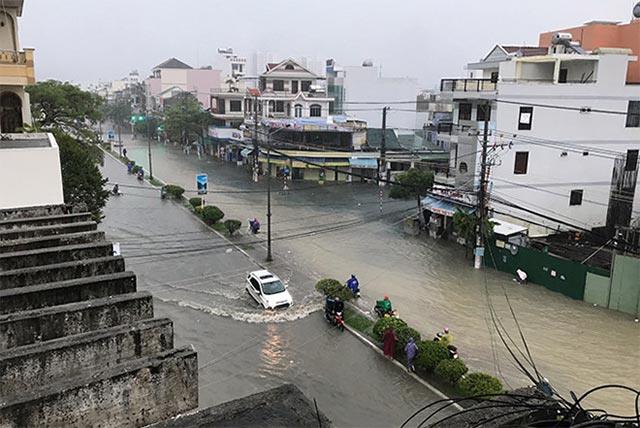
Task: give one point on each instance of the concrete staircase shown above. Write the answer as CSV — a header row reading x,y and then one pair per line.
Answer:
x,y
79,345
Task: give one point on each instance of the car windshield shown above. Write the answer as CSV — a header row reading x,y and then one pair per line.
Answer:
x,y
273,287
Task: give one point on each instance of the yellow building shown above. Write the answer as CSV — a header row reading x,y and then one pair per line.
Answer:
x,y
16,70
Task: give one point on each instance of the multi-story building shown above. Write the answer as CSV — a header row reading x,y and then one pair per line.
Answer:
x,y
564,127
366,84
174,76
30,173
16,70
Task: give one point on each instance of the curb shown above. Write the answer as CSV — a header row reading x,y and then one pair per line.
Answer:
x,y
415,377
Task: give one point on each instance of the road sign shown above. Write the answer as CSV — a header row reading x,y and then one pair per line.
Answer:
x,y
202,181
111,135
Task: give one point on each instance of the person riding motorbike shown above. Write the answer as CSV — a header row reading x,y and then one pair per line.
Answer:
x,y
338,305
444,337
116,189
354,285
140,174
383,307
329,308
254,225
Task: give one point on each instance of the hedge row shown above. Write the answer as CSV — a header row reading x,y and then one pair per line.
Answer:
x,y
433,357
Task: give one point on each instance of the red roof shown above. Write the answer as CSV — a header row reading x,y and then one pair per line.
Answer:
x,y
254,92
272,65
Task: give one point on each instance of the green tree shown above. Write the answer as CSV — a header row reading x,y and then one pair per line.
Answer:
x,y
412,184
82,181
58,106
185,119
466,224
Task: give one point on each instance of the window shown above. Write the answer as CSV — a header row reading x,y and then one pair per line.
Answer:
x,y
525,119
521,164
484,112
298,110
288,67
280,106
235,105
632,160
288,110
254,284
306,85
294,86
272,106
633,114
463,167
494,77
278,85
562,78
465,111
576,197
315,110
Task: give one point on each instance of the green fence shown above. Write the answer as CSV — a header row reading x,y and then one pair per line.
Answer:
x,y
625,285
564,276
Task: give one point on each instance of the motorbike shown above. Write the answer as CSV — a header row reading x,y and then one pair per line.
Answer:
x,y
453,351
355,292
382,313
336,319
115,191
140,176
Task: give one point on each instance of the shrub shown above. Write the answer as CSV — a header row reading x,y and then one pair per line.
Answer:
x,y
232,225
198,210
451,370
212,214
479,384
135,169
174,191
383,324
430,354
195,202
334,288
404,333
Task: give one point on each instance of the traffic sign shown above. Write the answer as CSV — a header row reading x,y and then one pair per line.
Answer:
x,y
202,181
111,135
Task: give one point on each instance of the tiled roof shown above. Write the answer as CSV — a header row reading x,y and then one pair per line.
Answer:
x,y
174,63
525,50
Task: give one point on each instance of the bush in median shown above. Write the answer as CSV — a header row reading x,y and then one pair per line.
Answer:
x,y
334,288
404,333
232,225
451,370
212,214
174,191
430,354
479,384
383,324
195,202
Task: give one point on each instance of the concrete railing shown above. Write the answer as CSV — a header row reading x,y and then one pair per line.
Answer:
x,y
12,57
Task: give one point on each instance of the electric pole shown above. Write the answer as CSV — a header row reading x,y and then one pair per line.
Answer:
x,y
148,119
255,139
382,167
482,193
269,258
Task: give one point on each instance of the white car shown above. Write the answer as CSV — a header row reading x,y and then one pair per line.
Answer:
x,y
268,290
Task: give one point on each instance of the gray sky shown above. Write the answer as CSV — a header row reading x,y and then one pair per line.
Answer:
x,y
87,40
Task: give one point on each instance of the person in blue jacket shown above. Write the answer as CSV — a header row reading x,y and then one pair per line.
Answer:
x,y
354,285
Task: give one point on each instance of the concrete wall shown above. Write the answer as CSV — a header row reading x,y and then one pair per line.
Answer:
x,y
202,81
33,366
50,323
136,394
44,256
40,175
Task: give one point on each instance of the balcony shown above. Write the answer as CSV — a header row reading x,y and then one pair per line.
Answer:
x,y
16,67
468,85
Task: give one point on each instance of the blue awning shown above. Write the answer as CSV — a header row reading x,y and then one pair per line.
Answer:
x,y
245,152
368,163
443,207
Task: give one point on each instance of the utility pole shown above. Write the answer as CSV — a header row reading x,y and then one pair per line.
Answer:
x,y
148,119
482,193
119,141
269,258
382,168
255,139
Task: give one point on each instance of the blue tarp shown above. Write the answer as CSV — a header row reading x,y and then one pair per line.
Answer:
x,y
368,163
442,206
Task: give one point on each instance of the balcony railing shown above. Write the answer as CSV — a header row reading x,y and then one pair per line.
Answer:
x,y
12,57
468,85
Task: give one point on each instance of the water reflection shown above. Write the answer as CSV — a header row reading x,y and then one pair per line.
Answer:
x,y
274,361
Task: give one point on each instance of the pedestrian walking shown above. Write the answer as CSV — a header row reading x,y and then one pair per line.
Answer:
x,y
124,152
389,342
411,351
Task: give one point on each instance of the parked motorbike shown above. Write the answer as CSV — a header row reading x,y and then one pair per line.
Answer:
x,y
453,351
116,191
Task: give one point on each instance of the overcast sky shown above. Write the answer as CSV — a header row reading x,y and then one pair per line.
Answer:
x,y
85,41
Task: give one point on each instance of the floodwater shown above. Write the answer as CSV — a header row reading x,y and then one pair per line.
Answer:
x,y
336,229
197,280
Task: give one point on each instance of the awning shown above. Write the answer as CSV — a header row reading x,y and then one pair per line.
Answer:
x,y
245,152
443,207
367,163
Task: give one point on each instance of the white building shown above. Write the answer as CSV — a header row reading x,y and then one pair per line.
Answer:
x,y
564,135
366,83
286,90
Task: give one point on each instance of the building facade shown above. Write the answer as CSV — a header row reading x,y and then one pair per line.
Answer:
x,y
563,133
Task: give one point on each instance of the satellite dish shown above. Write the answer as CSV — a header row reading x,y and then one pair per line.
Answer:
x,y
636,10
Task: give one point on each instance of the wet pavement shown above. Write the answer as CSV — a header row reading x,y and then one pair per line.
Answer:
x,y
336,229
197,279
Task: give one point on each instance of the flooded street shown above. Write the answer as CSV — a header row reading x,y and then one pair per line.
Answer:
x,y
336,229
197,280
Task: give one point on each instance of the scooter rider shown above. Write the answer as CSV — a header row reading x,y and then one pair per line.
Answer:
x,y
354,285
329,308
116,189
338,305
384,305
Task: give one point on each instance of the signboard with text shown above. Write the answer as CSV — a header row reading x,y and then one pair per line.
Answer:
x,y
202,182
